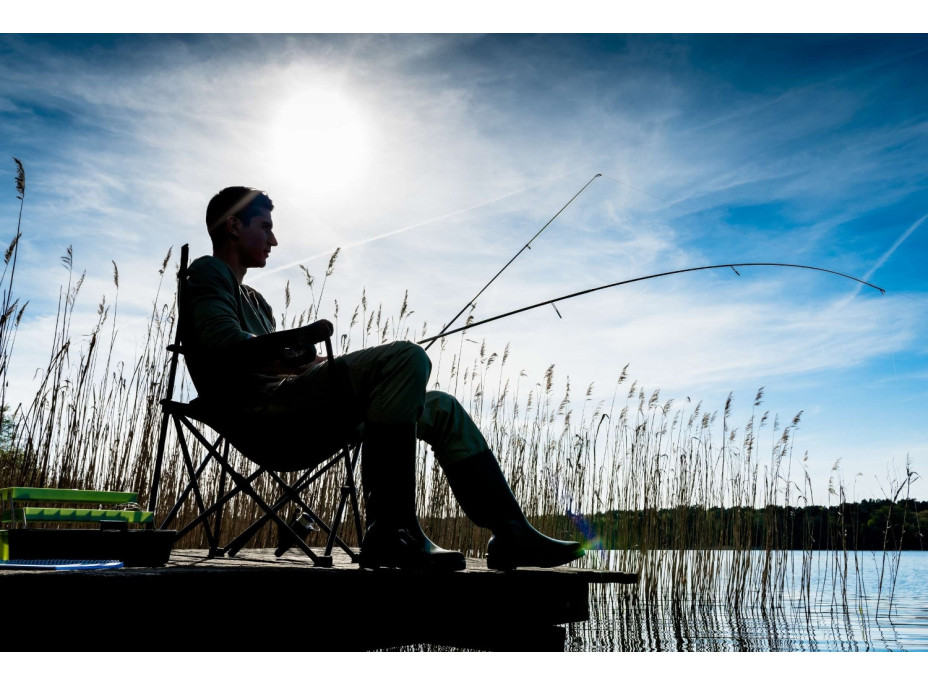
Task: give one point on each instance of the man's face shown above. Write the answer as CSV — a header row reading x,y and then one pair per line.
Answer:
x,y
255,240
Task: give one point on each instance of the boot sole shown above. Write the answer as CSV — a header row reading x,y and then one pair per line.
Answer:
x,y
504,564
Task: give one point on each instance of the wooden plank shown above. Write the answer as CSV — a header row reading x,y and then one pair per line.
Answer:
x,y
256,601
263,556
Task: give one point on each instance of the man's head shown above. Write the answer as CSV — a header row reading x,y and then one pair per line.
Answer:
x,y
240,226
234,203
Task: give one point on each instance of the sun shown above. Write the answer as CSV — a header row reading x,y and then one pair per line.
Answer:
x,y
319,140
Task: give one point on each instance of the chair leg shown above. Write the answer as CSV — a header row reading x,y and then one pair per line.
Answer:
x,y
242,484
202,519
291,495
355,508
236,545
186,492
217,505
331,530
159,456
217,523
191,473
245,485
348,491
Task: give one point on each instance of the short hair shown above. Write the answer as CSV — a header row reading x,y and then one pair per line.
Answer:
x,y
234,201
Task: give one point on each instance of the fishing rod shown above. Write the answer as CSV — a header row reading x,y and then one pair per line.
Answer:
x,y
527,246
732,266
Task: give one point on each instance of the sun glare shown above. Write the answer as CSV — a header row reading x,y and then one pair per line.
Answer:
x,y
319,141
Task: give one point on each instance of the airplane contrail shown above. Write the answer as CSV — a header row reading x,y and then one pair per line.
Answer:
x,y
885,256
892,249
365,241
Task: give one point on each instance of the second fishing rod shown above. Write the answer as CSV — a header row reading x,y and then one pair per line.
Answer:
x,y
525,247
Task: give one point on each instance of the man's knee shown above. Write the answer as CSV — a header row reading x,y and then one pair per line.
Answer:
x,y
445,414
413,358
441,402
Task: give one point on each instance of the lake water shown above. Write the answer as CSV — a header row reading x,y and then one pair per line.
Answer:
x,y
880,603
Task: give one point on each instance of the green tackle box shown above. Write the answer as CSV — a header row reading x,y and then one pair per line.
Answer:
x,y
32,519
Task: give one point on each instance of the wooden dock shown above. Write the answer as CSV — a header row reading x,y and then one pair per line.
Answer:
x,y
258,602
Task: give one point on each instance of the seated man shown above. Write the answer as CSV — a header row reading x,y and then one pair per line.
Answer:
x,y
273,395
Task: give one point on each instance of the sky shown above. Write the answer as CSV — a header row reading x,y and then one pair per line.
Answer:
x,y
431,158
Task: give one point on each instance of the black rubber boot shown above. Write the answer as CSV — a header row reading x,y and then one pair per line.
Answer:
x,y
484,494
393,537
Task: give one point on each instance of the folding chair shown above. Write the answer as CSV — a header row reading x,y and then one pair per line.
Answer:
x,y
184,417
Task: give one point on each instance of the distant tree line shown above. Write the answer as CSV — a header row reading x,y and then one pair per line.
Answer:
x,y
865,525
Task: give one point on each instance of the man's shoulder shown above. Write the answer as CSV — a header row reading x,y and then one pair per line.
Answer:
x,y
211,268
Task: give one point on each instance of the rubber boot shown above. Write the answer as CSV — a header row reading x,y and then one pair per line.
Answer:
x,y
484,495
393,537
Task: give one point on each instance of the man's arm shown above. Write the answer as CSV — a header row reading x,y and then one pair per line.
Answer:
x,y
289,350
212,298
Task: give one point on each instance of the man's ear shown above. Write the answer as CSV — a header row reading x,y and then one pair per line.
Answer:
x,y
233,227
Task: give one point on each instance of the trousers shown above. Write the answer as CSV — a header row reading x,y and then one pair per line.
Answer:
x,y
386,384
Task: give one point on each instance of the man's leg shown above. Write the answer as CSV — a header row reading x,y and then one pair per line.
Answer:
x,y
388,383
481,489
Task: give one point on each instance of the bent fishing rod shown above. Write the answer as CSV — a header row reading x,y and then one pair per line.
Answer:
x,y
446,332
527,246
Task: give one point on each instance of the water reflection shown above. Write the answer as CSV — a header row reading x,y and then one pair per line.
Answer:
x,y
801,602
753,601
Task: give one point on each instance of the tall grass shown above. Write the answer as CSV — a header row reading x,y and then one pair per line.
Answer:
x,y
11,312
93,423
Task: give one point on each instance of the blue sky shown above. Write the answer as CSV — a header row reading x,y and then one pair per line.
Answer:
x,y
432,159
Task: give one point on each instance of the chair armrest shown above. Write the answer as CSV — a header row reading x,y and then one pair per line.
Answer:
x,y
316,332
273,344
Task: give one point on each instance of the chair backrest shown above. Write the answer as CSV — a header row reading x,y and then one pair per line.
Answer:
x,y
175,349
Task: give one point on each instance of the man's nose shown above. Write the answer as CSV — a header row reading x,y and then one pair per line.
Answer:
x,y
271,238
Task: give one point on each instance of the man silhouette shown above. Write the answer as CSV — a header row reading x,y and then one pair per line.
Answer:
x,y
274,393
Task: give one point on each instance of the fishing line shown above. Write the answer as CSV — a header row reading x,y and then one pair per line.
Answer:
x,y
731,266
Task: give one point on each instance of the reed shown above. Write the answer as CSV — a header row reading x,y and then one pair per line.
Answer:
x,y
685,495
11,312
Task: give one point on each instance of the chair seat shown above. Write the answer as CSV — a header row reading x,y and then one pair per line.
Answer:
x,y
282,445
